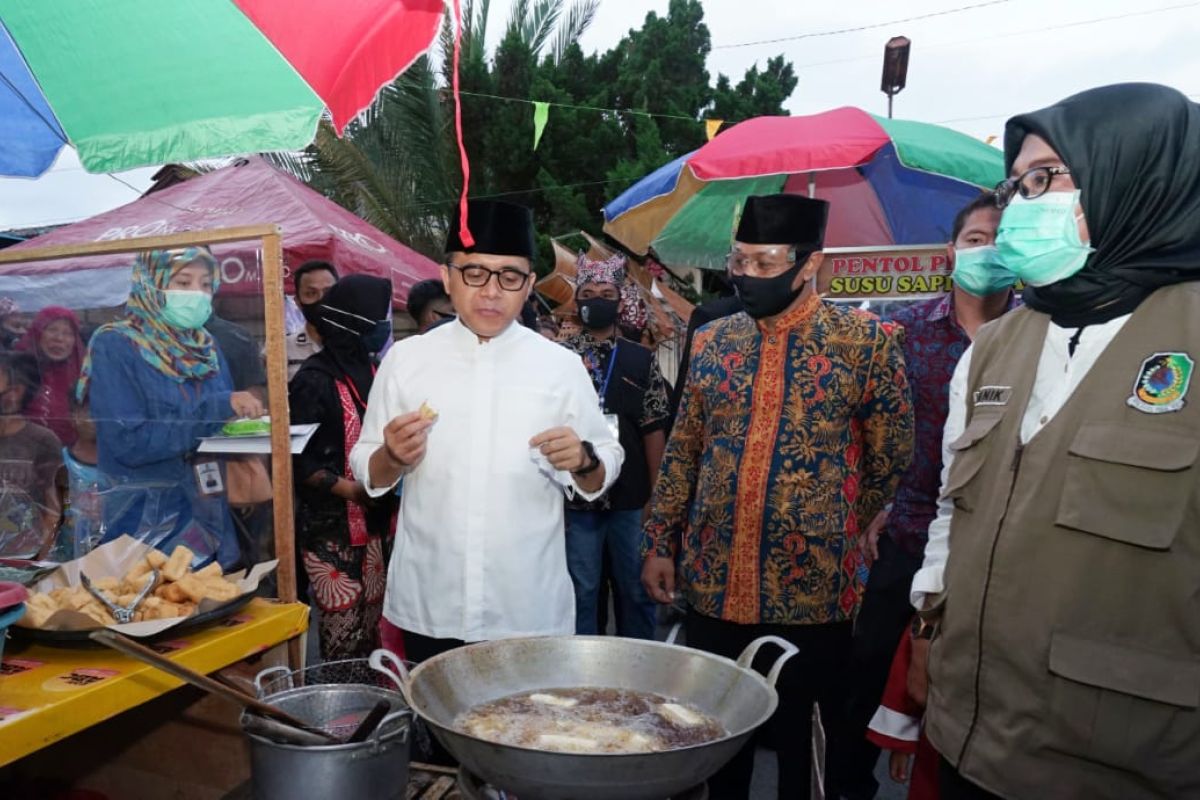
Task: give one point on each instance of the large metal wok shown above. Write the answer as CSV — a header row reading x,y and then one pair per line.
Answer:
x,y
445,686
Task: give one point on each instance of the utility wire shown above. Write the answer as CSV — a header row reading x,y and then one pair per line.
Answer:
x,y
872,26
1010,35
582,108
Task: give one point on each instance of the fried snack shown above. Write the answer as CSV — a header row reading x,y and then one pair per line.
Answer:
x,y
427,412
192,587
78,599
220,589
172,592
177,593
108,584
213,570
36,616
98,613
171,611
138,572
178,564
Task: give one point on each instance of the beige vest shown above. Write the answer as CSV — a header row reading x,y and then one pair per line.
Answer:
x,y
1067,664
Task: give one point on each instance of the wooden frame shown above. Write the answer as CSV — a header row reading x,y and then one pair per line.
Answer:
x,y
272,285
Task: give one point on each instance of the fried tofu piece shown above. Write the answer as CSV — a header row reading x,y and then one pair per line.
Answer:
x,y
179,564
156,558
36,616
192,587
107,584
213,570
174,592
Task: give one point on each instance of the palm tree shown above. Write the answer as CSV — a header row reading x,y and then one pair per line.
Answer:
x,y
397,167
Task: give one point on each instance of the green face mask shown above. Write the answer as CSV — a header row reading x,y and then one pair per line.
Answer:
x,y
979,271
187,309
1039,239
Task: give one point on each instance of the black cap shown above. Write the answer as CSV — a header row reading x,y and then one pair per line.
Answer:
x,y
499,229
784,219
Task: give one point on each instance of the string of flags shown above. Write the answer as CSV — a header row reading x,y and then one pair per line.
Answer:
x,y
541,115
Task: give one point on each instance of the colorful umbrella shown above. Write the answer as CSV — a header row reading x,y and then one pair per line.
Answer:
x,y
135,82
889,182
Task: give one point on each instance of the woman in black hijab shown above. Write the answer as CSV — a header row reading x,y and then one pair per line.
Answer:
x,y
1065,644
1132,152
340,531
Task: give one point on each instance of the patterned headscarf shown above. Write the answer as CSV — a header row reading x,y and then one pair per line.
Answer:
x,y
611,270
633,315
180,354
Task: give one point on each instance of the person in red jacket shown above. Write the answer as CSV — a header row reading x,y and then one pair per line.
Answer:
x,y
896,728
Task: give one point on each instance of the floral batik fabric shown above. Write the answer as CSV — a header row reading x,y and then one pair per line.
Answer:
x,y
786,444
347,584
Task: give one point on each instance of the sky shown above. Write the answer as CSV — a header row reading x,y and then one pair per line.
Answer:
x,y
969,69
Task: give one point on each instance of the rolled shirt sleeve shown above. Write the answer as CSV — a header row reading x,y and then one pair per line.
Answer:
x,y
382,408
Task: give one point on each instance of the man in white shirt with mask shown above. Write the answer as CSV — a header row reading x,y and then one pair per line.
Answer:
x,y
489,424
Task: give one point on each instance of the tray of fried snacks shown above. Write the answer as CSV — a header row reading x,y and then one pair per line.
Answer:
x,y
135,589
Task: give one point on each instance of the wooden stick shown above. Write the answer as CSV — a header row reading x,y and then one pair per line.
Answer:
x,y
144,654
277,404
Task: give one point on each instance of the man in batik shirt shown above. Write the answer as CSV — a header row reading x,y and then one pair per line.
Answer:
x,y
794,429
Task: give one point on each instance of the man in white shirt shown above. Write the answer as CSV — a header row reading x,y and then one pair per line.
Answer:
x,y
489,424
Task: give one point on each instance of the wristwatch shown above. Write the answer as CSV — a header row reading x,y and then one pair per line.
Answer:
x,y
923,629
593,460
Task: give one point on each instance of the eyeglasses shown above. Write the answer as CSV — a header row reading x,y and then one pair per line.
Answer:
x,y
510,279
1034,183
765,262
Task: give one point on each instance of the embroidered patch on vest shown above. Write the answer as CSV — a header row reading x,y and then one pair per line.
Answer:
x,y
992,395
1162,383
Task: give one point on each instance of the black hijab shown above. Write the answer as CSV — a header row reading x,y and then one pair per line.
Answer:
x,y
1134,152
349,311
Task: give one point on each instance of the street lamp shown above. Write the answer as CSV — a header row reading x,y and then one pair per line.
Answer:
x,y
895,67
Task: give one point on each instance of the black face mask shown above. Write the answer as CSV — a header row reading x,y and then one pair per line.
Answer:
x,y
598,313
767,297
311,311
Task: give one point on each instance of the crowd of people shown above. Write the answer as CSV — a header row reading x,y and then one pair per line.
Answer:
x,y
975,518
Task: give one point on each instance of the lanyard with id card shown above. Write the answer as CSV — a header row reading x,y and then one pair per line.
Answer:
x,y
612,420
208,477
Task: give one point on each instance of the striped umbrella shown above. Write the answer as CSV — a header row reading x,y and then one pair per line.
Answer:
x,y
137,82
889,182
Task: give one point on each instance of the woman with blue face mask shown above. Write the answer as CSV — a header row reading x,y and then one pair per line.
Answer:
x,y
157,383
1064,630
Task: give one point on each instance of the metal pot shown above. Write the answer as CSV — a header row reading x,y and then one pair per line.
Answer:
x,y
376,768
738,697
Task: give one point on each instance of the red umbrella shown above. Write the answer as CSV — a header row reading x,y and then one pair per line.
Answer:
x,y
250,192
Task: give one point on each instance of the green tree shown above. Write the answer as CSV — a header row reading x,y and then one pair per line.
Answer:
x,y
757,94
617,116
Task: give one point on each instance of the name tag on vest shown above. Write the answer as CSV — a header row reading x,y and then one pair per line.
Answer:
x,y
992,395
